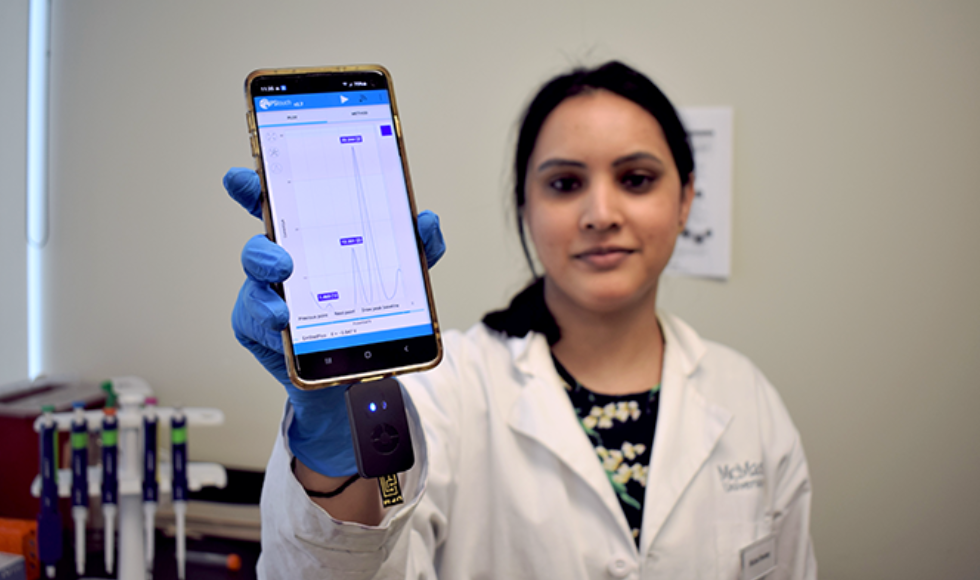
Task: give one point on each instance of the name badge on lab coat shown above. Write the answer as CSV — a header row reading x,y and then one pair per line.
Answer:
x,y
759,558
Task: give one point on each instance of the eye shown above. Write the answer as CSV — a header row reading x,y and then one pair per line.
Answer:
x,y
638,181
565,184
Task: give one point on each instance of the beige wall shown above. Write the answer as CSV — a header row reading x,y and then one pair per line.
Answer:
x,y
855,271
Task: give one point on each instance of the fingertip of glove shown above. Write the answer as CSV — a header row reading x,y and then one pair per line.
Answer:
x,y
243,186
431,234
237,178
428,219
265,260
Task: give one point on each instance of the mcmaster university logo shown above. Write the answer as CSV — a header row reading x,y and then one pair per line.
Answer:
x,y
740,476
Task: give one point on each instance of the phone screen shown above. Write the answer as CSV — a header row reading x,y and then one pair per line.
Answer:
x,y
340,204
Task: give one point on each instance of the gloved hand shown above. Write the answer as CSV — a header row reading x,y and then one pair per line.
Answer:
x,y
319,434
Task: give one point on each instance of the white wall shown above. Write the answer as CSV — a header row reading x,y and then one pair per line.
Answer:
x,y
13,171
855,278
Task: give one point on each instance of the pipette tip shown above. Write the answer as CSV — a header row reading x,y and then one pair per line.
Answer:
x,y
110,536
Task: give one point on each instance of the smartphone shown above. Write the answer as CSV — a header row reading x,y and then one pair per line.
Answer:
x,y
336,195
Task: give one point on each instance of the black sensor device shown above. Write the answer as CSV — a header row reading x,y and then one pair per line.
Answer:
x,y
379,428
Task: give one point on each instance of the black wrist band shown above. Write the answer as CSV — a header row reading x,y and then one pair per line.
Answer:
x,y
334,493
328,494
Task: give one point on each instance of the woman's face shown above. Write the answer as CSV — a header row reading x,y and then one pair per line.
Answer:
x,y
604,202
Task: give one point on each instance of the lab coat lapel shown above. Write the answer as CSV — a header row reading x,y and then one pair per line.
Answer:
x,y
688,429
544,413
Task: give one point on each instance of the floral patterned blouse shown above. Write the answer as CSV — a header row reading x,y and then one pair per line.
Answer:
x,y
621,429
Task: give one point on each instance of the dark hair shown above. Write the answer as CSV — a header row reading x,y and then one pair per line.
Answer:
x,y
614,77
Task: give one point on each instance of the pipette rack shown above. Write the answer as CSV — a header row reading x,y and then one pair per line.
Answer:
x,y
132,393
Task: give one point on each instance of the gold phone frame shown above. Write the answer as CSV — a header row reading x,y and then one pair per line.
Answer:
x,y
287,342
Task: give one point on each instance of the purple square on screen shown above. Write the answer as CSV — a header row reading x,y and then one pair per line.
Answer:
x,y
386,130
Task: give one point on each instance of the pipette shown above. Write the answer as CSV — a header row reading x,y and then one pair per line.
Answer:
x,y
48,520
150,487
110,481
79,482
178,454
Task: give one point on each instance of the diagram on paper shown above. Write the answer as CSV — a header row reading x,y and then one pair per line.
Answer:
x,y
704,247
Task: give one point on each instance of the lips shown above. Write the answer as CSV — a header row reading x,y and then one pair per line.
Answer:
x,y
604,258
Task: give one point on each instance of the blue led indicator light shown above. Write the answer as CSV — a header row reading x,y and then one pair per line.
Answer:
x,y
372,407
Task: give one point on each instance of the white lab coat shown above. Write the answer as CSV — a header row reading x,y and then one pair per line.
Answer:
x,y
507,485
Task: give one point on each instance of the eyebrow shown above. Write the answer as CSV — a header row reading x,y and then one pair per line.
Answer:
x,y
560,163
636,157
620,161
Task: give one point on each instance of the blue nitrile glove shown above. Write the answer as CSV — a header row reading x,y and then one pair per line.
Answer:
x,y
319,434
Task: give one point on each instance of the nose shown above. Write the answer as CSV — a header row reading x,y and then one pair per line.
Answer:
x,y
600,208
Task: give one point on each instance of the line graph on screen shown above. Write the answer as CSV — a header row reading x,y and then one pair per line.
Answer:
x,y
351,254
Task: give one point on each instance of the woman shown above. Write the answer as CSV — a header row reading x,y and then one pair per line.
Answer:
x,y
577,434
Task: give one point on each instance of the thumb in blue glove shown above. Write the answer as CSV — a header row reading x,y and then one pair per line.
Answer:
x,y
319,434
